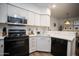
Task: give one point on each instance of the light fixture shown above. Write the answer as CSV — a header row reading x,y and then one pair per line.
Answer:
x,y
67,22
53,5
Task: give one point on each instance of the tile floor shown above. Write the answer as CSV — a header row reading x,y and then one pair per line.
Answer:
x,y
41,54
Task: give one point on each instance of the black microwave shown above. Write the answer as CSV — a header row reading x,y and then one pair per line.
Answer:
x,y
12,19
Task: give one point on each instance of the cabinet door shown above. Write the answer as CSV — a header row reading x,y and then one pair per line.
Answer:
x,y
45,20
12,10
48,20
42,20
30,18
37,19
3,13
32,44
44,44
23,13
1,47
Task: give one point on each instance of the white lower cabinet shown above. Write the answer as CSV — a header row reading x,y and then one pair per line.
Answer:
x,y
39,43
32,44
44,44
1,47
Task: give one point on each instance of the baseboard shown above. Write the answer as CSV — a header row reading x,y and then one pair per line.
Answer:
x,y
32,52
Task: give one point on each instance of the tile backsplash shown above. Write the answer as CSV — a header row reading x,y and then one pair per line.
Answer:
x,y
29,29
36,29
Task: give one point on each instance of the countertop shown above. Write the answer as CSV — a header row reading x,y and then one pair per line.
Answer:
x,y
1,37
39,35
64,35
59,34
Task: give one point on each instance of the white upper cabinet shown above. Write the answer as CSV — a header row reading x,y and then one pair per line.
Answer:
x,y
12,11
3,13
48,20
30,18
37,19
24,13
45,20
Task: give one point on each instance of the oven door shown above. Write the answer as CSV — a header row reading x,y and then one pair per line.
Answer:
x,y
18,47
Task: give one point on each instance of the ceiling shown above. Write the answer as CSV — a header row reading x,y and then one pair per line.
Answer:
x,y
62,10
43,4
65,10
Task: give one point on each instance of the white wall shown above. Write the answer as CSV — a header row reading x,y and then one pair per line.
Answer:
x,y
52,21
75,19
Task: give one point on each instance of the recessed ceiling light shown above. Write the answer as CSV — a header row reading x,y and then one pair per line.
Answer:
x,y
53,5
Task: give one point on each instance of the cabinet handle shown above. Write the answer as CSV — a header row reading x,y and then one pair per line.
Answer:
x,y
49,41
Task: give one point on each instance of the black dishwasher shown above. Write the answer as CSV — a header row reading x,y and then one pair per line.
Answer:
x,y
58,47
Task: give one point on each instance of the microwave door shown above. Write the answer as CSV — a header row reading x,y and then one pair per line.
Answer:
x,y
14,19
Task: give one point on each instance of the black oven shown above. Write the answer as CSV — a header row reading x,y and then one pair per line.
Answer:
x,y
16,32
16,46
16,43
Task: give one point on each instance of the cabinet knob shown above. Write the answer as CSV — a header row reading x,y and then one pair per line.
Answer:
x,y
2,46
